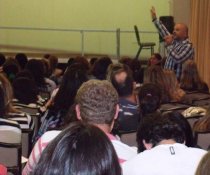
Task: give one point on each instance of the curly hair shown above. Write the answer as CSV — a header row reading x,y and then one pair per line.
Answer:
x,y
97,101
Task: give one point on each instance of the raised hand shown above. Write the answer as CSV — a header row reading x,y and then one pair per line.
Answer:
x,y
153,13
168,39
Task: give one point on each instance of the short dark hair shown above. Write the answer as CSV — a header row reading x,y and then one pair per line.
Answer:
x,y
157,127
100,66
125,87
97,101
25,90
79,149
21,59
36,67
183,122
149,98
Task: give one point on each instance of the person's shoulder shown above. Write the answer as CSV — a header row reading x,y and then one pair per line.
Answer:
x,y
50,135
9,122
196,150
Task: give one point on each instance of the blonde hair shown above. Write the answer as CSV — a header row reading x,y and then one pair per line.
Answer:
x,y
173,87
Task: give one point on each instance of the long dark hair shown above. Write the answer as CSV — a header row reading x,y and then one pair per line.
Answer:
x,y
36,67
79,149
73,78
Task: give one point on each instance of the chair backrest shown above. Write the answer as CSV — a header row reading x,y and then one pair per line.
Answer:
x,y
137,35
10,156
202,139
27,135
129,138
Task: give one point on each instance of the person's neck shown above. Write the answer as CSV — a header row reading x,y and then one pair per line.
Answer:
x,y
131,98
167,141
104,127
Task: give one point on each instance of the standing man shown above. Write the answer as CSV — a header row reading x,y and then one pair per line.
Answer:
x,y
177,44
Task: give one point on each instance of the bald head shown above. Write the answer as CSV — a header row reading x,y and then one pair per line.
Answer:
x,y
180,31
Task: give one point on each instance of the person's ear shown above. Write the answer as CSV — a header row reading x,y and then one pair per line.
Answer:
x,y
117,111
148,146
78,112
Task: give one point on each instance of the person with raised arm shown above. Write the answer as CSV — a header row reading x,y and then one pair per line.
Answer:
x,y
177,44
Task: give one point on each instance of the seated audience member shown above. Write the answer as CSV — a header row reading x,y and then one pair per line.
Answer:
x,y
99,69
165,153
25,120
96,104
36,68
54,72
64,99
167,82
176,93
190,78
75,147
92,61
184,124
126,61
204,165
10,131
2,61
138,72
135,66
25,90
123,82
149,97
22,60
11,68
155,59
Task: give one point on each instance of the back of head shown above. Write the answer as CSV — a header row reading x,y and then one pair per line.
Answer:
x,y
11,68
25,90
156,128
21,59
73,78
122,79
97,101
53,62
184,124
190,77
154,74
83,61
79,149
36,67
149,98
99,69
2,59
204,165
126,60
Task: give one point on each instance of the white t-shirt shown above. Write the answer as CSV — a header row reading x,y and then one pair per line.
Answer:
x,y
166,159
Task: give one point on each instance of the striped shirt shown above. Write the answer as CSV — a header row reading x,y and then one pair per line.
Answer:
x,y
128,115
178,51
124,152
25,121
